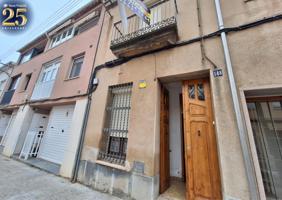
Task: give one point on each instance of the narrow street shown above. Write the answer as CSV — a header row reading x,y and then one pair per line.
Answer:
x,y
21,182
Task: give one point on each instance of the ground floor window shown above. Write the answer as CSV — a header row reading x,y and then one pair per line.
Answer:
x,y
114,141
266,121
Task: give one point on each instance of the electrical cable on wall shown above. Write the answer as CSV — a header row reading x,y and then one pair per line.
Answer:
x,y
119,61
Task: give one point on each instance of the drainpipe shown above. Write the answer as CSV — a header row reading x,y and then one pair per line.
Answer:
x,y
88,106
236,104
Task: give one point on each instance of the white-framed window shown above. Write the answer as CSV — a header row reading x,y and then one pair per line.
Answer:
x,y
62,36
49,72
76,67
45,83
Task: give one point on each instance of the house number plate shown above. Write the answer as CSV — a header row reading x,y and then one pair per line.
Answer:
x,y
217,72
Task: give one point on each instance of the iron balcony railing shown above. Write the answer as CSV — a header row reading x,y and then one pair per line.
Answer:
x,y
7,97
163,17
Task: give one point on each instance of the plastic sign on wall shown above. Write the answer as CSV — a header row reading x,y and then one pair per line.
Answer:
x,y
139,8
142,84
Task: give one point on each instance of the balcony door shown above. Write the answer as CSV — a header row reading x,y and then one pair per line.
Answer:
x,y
49,73
44,86
202,168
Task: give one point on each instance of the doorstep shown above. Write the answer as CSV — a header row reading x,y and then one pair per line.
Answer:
x,y
39,163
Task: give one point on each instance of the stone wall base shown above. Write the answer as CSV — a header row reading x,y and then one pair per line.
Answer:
x,y
125,185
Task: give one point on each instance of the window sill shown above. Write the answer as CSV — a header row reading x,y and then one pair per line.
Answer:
x,y
123,168
69,79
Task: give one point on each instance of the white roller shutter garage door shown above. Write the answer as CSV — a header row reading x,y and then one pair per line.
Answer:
x,y
57,135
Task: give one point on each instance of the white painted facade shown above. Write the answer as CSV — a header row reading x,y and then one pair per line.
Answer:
x,y
4,121
4,78
6,130
17,131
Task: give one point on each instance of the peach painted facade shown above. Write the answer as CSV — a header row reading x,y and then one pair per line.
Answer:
x,y
46,105
82,44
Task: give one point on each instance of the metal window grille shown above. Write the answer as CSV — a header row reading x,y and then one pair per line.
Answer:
x,y
114,141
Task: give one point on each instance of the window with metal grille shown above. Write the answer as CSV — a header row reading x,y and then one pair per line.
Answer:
x,y
114,141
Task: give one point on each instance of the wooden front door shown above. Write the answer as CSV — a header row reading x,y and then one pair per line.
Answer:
x,y
202,169
164,141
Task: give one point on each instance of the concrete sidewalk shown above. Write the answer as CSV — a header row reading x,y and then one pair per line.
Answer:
x,y
21,182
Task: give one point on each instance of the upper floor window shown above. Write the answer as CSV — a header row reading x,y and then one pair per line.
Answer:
x,y
26,57
15,82
86,25
45,83
76,67
26,82
49,72
62,36
32,53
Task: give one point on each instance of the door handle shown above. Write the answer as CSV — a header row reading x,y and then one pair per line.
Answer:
x,y
199,133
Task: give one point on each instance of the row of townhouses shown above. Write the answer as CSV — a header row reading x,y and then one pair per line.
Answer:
x,y
190,103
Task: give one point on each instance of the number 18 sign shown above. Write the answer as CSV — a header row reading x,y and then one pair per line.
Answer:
x,y
217,72
15,16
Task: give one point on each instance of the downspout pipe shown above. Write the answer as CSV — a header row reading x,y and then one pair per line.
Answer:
x,y
250,172
88,106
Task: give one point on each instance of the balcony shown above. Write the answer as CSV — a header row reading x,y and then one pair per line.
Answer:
x,y
141,37
7,97
42,90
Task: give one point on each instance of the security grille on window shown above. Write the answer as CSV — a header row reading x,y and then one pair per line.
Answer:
x,y
114,140
76,67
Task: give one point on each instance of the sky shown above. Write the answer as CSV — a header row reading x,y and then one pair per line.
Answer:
x,y
44,12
